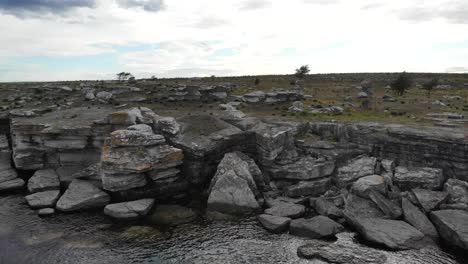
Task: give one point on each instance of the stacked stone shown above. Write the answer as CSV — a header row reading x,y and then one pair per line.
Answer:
x,y
134,156
8,178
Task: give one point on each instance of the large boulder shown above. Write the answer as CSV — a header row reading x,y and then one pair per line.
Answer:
x,y
373,182
129,210
286,210
44,180
82,195
356,205
429,200
274,224
327,208
315,227
425,178
390,233
355,169
452,226
390,208
418,219
43,199
233,189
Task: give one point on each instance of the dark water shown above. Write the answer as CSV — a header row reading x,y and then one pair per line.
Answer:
x,y
92,238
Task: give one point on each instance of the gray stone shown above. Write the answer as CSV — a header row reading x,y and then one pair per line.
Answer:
x,y
141,127
171,215
297,106
356,205
355,169
306,188
167,125
104,97
254,97
44,180
82,195
457,190
373,182
9,180
341,254
46,211
316,227
133,138
326,208
418,219
389,208
306,168
43,199
425,178
122,182
129,210
390,233
286,210
429,200
452,226
274,224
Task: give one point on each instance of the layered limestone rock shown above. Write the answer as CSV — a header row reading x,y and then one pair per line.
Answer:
x,y
355,169
436,147
9,179
426,178
129,155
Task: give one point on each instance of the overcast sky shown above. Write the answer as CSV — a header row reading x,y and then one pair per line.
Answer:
x,y
94,39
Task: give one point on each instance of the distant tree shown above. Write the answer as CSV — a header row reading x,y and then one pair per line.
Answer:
x,y
123,76
213,76
257,81
402,83
132,79
302,71
153,78
430,85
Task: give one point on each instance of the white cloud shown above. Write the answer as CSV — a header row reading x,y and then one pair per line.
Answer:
x,y
276,37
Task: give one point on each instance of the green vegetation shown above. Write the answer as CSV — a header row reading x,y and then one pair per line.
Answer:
x,y
402,83
302,71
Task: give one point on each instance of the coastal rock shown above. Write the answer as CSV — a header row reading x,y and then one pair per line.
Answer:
x,y
129,210
274,224
286,210
425,178
171,215
429,200
82,195
44,180
355,169
306,188
233,188
418,219
341,254
452,226
373,182
389,208
43,199
327,208
315,227
393,234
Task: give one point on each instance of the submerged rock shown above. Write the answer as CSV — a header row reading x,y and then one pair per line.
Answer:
x,y
342,254
82,195
171,215
43,199
274,224
390,233
44,180
452,226
129,210
316,227
418,219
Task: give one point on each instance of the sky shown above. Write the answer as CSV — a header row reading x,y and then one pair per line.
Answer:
x,y
52,40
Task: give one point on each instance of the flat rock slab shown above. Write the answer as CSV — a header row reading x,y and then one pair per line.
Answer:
x,y
327,208
418,219
43,199
82,195
452,226
44,180
129,210
274,224
316,227
429,200
286,210
390,233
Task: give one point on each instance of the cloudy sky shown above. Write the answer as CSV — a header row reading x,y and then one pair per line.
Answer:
x,y
94,39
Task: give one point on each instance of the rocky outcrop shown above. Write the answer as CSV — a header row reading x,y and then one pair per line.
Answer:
x,y
82,195
355,169
129,210
426,178
452,226
274,224
233,189
315,227
390,233
435,147
9,179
